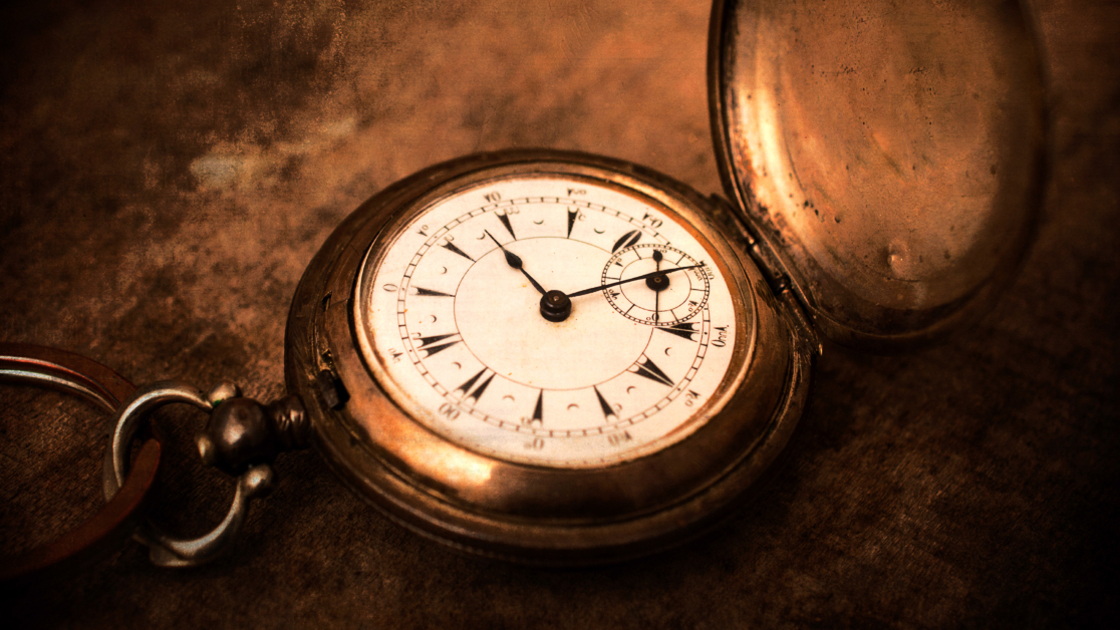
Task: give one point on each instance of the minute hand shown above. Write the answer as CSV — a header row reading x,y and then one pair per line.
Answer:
x,y
634,279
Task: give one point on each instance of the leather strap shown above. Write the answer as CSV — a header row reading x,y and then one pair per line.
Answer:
x,y
106,531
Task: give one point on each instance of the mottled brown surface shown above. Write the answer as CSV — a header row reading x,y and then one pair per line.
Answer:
x,y
168,168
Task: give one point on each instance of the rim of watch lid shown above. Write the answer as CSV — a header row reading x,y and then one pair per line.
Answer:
x,y
890,156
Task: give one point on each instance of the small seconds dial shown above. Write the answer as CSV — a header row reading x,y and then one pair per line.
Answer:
x,y
655,297
548,319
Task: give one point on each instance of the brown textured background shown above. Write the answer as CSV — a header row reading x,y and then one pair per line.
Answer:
x,y
168,168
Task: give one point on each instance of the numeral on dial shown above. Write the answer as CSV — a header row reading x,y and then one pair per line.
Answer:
x,y
604,405
437,343
451,247
626,240
504,218
617,439
683,329
647,368
538,411
431,293
477,391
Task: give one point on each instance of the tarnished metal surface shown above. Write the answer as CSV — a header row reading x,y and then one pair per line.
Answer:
x,y
890,152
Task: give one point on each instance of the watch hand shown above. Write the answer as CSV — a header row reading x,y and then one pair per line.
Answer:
x,y
515,261
657,256
634,279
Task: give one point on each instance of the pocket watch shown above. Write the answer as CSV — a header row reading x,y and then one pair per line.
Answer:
x,y
560,358
547,356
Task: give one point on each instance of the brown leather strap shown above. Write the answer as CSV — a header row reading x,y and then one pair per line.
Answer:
x,y
107,530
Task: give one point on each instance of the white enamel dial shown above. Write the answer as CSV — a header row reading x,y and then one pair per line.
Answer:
x,y
452,322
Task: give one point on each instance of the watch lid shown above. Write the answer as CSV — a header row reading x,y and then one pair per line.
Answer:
x,y
891,154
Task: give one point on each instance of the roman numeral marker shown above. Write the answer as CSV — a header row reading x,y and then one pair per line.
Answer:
x,y
647,368
538,411
604,405
504,218
686,330
626,240
449,246
437,343
476,393
429,292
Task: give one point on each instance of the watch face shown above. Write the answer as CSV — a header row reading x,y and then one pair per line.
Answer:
x,y
628,358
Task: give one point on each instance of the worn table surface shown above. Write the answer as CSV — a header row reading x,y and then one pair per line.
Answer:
x,y
167,169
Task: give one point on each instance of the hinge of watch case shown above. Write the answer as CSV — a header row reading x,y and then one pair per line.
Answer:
x,y
767,263
330,386
772,270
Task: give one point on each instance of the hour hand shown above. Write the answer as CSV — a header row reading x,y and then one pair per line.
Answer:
x,y
513,260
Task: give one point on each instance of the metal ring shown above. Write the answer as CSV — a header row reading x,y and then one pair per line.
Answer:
x,y
167,550
106,531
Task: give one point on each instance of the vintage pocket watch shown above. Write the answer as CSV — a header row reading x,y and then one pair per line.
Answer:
x,y
559,358
563,358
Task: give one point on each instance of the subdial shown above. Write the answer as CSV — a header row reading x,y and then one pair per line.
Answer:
x,y
662,299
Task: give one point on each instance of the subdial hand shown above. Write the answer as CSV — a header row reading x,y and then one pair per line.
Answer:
x,y
515,261
658,276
